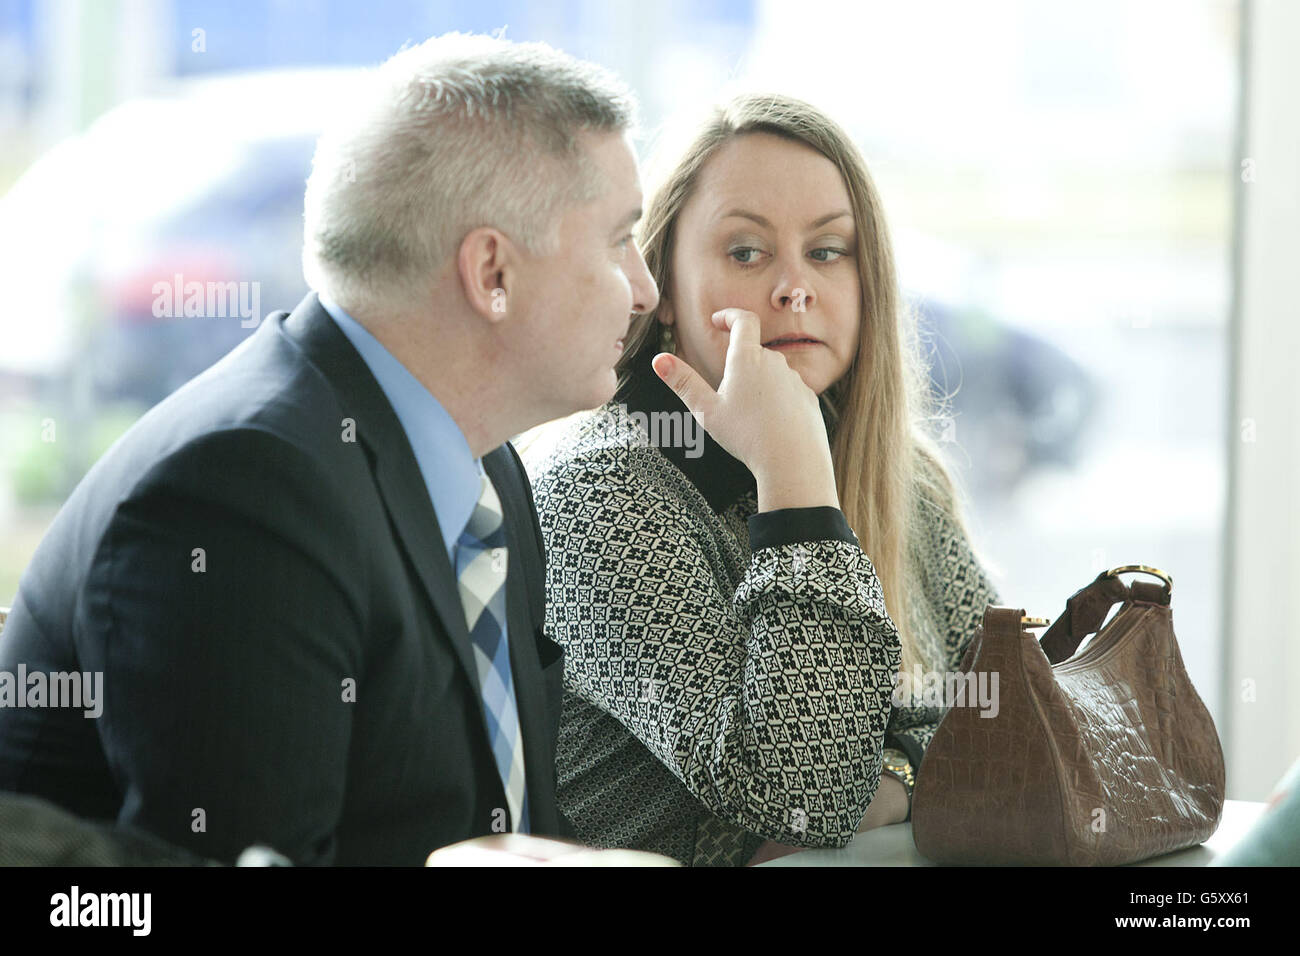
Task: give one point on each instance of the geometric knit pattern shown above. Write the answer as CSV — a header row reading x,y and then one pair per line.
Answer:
x,y
716,698
481,558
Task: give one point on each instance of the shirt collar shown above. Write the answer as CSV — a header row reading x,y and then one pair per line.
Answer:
x,y
452,475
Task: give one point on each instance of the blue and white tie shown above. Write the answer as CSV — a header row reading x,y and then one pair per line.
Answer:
x,y
481,559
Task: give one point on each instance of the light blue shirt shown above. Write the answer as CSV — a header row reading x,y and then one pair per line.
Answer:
x,y
450,471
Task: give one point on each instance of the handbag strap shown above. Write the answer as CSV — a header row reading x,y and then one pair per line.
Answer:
x,y
1087,607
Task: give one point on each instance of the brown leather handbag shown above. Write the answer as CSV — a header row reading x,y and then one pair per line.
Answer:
x,y
1101,759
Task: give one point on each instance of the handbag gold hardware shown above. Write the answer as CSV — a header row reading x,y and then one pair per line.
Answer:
x,y
1168,579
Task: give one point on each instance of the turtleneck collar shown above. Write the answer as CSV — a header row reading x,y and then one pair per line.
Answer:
x,y
720,478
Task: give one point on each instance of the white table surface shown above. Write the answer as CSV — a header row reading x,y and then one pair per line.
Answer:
x,y
893,846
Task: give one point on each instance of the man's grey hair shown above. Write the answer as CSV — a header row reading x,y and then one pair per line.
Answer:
x,y
459,132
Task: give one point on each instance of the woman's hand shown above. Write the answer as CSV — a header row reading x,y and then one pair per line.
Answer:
x,y
890,804
763,414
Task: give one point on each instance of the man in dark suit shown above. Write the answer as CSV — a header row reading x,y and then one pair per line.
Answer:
x,y
312,578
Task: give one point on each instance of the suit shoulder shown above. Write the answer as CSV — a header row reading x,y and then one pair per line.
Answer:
x,y
264,384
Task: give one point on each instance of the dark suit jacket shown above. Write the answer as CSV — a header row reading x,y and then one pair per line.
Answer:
x,y
257,571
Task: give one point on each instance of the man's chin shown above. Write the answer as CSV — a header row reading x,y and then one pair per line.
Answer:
x,y
603,389
600,390
601,397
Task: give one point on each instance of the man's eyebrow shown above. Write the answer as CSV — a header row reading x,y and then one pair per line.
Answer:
x,y
815,224
629,220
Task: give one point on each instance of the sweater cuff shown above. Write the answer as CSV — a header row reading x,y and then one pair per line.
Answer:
x,y
771,529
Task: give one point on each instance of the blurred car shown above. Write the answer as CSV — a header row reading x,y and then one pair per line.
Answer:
x,y
205,183
1017,402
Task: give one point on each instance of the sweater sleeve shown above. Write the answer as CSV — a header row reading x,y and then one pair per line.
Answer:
x,y
959,589
768,699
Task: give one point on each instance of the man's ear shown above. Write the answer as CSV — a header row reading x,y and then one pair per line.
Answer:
x,y
487,263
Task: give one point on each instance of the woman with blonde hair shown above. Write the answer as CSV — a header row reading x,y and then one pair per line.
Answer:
x,y
752,538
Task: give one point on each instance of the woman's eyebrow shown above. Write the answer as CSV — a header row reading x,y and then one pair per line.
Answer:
x,y
830,216
815,224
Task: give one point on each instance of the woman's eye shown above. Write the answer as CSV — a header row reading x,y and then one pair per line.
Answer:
x,y
835,253
745,255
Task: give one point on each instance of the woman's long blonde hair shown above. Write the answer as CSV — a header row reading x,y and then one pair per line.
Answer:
x,y
886,465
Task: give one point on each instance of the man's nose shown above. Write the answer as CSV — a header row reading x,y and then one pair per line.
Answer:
x,y
645,293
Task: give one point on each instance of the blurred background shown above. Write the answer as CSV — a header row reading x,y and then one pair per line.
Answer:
x,y
1067,185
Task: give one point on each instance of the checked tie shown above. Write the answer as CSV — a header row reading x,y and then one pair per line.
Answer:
x,y
481,575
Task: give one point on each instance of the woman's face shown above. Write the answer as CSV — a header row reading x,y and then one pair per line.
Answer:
x,y
769,228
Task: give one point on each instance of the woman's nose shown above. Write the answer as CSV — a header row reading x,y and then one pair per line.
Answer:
x,y
792,292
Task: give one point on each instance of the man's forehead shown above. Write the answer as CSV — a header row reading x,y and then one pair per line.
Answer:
x,y
620,186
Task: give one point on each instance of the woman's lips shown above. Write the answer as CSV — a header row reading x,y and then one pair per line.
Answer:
x,y
792,345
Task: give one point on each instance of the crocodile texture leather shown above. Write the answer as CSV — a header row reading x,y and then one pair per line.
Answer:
x,y
1103,758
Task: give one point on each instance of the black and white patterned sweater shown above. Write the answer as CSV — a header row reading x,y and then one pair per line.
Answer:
x,y
728,675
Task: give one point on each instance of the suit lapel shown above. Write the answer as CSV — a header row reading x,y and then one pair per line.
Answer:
x,y
415,523
401,485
